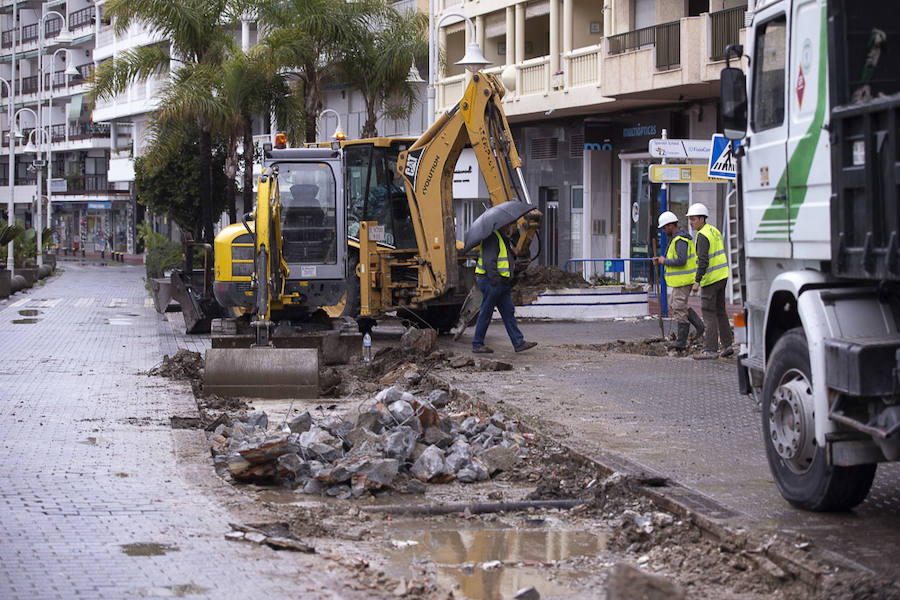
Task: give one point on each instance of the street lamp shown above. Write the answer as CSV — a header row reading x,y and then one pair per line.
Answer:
x,y
472,60
63,37
70,71
338,132
10,204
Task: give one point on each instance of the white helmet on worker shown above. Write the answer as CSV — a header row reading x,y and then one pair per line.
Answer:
x,y
697,210
666,218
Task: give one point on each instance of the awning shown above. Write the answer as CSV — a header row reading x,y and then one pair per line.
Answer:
x,y
75,107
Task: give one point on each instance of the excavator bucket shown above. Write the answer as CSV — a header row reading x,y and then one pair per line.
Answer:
x,y
262,372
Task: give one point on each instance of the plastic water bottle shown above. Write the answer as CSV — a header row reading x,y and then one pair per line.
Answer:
x,y
367,348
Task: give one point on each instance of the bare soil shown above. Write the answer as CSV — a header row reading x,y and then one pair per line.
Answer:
x,y
637,531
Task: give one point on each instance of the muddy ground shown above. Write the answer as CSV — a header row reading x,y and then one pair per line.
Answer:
x,y
615,543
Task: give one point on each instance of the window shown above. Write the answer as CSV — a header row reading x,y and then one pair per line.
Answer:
x,y
768,75
308,212
577,221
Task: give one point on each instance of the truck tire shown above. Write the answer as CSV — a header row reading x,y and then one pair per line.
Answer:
x,y
798,464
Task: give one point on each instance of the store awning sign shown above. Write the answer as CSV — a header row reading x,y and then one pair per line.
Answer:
x,y
99,205
682,174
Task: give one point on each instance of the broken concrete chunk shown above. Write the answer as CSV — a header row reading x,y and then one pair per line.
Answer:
x,y
461,361
313,486
471,426
439,398
529,593
419,341
268,449
318,443
359,436
400,443
455,462
499,458
389,396
380,470
499,420
258,419
291,466
430,464
370,420
300,423
237,464
433,435
402,411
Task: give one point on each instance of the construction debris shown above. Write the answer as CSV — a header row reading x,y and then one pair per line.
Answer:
x,y
392,440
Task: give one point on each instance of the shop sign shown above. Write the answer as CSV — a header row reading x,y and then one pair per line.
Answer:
x,y
99,205
467,180
675,148
682,174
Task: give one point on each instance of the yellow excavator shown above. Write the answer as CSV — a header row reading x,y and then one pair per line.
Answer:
x,y
391,200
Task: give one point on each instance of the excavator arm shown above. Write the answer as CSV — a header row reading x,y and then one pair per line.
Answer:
x,y
269,269
427,169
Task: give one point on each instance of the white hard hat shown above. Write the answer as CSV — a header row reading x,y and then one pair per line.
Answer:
x,y
697,210
666,218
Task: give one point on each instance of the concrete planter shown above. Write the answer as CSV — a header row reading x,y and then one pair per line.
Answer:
x,y
44,271
30,274
17,283
50,259
5,283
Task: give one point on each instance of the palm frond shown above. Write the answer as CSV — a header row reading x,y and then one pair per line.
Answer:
x,y
114,76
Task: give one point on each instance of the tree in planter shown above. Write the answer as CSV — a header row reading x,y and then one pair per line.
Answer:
x,y
25,247
8,233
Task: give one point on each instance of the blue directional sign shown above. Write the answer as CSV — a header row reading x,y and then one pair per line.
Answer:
x,y
722,160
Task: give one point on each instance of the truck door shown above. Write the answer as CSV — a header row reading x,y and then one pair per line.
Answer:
x,y
767,228
809,155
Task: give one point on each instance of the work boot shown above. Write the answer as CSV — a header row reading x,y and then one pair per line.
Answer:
x,y
680,342
697,322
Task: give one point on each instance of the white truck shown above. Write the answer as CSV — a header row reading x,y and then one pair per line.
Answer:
x,y
818,184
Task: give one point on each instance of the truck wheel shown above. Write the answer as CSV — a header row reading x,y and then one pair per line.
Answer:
x,y
262,284
797,462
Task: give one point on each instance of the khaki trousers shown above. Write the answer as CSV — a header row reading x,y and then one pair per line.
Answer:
x,y
678,302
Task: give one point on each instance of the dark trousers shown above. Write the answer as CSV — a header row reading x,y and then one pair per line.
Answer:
x,y
496,296
715,318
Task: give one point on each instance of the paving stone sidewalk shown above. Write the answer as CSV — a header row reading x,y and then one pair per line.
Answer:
x,y
99,497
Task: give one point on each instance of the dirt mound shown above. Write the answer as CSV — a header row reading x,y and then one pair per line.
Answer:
x,y
185,365
538,279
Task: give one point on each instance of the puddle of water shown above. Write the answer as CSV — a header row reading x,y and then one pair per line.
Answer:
x,y
148,549
171,591
29,312
91,441
25,321
462,556
118,321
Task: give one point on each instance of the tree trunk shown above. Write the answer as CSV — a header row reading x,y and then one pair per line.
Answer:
x,y
311,101
369,130
231,164
248,165
205,143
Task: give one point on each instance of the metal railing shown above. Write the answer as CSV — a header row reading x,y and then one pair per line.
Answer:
x,y
52,27
29,85
81,18
30,33
639,269
668,45
58,133
725,29
632,40
6,39
83,131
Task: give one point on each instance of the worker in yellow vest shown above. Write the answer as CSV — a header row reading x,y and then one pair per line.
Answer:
x,y
710,280
493,275
680,262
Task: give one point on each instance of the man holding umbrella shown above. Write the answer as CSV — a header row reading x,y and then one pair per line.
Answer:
x,y
493,274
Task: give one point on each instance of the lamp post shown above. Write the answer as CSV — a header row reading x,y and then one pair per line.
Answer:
x,y
70,71
63,37
10,206
472,60
338,132
11,84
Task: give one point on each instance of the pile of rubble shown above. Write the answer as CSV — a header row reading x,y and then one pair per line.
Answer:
x,y
395,441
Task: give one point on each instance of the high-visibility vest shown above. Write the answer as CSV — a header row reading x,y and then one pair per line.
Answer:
x,y
502,259
685,274
718,262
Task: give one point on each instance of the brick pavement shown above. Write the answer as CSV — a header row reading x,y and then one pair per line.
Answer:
x,y
91,466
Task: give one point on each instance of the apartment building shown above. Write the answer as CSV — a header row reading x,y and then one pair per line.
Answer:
x,y
61,155
590,83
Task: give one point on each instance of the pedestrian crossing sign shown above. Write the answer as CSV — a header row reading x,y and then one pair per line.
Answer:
x,y
722,161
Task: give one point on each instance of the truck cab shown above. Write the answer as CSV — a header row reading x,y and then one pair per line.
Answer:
x,y
817,115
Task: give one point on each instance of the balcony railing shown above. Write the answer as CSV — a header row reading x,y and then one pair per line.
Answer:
x,y
666,37
30,33
583,66
6,39
29,85
535,75
58,133
668,46
632,40
52,27
83,131
725,29
81,18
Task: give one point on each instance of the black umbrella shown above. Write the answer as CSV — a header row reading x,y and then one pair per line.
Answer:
x,y
493,219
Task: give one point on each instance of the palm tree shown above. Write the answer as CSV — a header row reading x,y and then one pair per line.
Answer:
x,y
377,62
310,37
199,45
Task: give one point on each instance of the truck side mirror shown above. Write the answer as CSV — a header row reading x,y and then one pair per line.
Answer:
x,y
733,103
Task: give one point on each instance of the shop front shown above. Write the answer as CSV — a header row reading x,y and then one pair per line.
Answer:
x,y
93,226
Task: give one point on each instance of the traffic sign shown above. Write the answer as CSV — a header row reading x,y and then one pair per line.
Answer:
x,y
682,174
722,162
674,148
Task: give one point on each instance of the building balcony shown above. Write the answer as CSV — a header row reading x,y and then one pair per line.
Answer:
x,y
664,62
